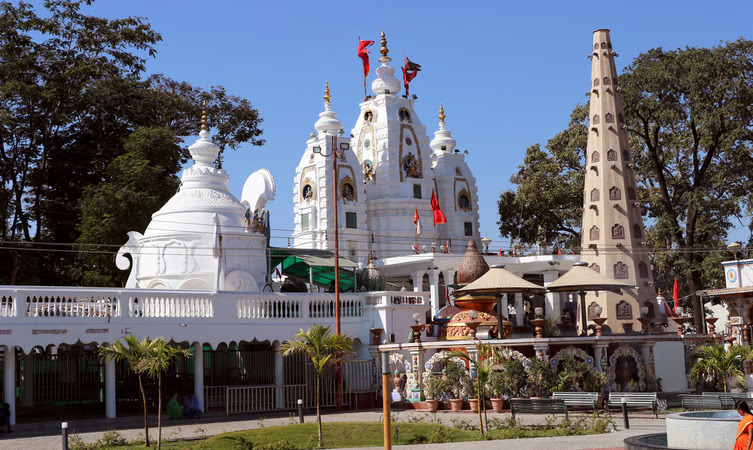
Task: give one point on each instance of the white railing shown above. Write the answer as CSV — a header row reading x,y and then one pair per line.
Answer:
x,y
69,306
256,308
398,298
170,305
250,399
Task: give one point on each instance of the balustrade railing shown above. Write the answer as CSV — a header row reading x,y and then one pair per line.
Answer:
x,y
59,306
169,306
255,308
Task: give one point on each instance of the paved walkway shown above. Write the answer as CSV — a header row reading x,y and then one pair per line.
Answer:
x,y
47,435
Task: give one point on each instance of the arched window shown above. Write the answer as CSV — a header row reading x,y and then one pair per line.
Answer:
x,y
609,118
595,157
596,120
618,231
595,195
594,233
611,155
606,81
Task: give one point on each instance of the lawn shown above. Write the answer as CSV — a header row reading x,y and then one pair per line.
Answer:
x,y
370,434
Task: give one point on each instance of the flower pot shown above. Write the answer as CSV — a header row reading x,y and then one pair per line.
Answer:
x,y
433,404
456,404
474,404
498,404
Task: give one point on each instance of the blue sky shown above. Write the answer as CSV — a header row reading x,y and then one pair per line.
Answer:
x,y
508,73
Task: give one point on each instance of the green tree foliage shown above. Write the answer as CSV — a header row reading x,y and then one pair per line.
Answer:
x,y
549,189
136,184
689,119
323,349
71,94
716,361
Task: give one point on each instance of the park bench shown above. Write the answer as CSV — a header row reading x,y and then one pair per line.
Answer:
x,y
728,399
537,406
696,402
585,399
637,400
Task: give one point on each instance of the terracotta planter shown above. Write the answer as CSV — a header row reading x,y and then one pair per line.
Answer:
x,y
474,404
433,404
498,404
456,404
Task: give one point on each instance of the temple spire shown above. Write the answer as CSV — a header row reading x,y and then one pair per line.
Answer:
x,y
441,116
204,126
384,50
327,97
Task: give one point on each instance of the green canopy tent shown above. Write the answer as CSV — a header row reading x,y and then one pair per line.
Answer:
x,y
317,266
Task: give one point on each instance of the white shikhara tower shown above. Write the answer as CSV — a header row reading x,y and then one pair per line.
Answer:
x,y
393,171
613,233
456,189
313,195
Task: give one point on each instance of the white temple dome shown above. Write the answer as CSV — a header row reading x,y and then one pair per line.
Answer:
x,y
443,141
328,121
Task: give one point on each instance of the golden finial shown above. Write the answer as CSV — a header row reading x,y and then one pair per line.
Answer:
x,y
441,113
204,126
327,97
384,51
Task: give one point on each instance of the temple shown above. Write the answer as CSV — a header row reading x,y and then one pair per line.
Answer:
x,y
201,275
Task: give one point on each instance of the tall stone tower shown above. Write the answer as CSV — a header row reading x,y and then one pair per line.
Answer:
x,y
613,234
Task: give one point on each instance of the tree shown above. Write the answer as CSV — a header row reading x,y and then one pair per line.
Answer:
x,y
71,94
527,215
137,183
689,124
132,352
323,349
159,356
722,363
481,360
689,114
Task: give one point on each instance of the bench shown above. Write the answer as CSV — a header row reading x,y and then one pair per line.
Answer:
x,y
637,400
698,402
586,399
728,399
537,406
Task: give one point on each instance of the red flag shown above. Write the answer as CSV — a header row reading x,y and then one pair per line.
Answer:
x,y
675,296
500,252
417,222
410,70
438,216
363,53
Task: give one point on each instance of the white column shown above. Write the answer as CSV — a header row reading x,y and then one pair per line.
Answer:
x,y
552,308
418,279
519,309
647,354
110,396
449,278
279,376
504,306
434,289
600,356
198,374
9,380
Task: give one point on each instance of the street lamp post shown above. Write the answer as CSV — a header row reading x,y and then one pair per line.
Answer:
x,y
336,152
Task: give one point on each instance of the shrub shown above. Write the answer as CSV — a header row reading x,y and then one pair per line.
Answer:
x,y
576,375
542,378
437,387
454,372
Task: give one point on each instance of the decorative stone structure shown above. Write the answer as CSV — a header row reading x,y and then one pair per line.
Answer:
x,y
619,251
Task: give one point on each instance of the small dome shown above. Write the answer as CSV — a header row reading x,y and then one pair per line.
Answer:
x,y
371,278
472,266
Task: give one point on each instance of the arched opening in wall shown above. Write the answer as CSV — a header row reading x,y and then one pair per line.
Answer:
x,y
425,285
626,369
442,291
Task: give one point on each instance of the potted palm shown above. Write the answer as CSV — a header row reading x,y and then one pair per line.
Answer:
x,y
724,364
454,372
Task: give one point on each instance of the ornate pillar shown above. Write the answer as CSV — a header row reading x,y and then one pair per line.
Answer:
x,y
600,356
198,374
418,358
519,309
647,354
542,351
110,395
9,381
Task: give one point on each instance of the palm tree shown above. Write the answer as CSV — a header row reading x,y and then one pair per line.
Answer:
x,y
133,353
323,349
716,360
158,358
482,360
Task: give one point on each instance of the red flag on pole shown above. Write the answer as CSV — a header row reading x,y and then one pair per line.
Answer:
x,y
363,53
438,216
410,70
675,296
417,222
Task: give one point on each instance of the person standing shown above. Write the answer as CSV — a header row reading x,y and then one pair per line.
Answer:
x,y
745,427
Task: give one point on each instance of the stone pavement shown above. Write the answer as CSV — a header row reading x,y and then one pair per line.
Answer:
x,y
47,435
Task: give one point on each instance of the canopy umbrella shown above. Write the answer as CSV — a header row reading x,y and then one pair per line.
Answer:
x,y
582,278
498,281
